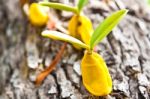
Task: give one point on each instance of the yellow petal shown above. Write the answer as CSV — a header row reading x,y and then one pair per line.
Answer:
x,y
95,74
85,29
38,14
81,28
72,27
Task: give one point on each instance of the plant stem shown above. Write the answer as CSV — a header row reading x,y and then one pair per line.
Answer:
x,y
48,70
60,6
89,51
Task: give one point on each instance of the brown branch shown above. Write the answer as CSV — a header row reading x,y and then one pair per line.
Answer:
x,y
48,70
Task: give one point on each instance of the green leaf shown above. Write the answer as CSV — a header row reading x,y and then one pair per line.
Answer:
x,y
148,1
64,37
81,4
45,0
59,6
106,27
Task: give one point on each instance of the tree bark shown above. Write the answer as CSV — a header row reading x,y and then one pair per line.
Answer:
x,y
126,51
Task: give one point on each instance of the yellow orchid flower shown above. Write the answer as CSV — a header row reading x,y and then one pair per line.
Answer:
x,y
81,28
38,14
95,74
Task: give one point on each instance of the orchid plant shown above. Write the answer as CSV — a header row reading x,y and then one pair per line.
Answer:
x,y
95,74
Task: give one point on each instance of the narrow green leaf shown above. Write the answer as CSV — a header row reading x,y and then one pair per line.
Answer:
x,y
45,0
64,37
148,1
81,4
59,6
106,26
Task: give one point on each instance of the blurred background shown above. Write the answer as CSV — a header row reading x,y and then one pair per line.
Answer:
x,y
24,53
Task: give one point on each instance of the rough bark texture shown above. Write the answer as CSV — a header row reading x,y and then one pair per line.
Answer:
x,y
126,51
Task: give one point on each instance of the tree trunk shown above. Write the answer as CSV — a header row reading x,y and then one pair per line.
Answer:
x,y
126,51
